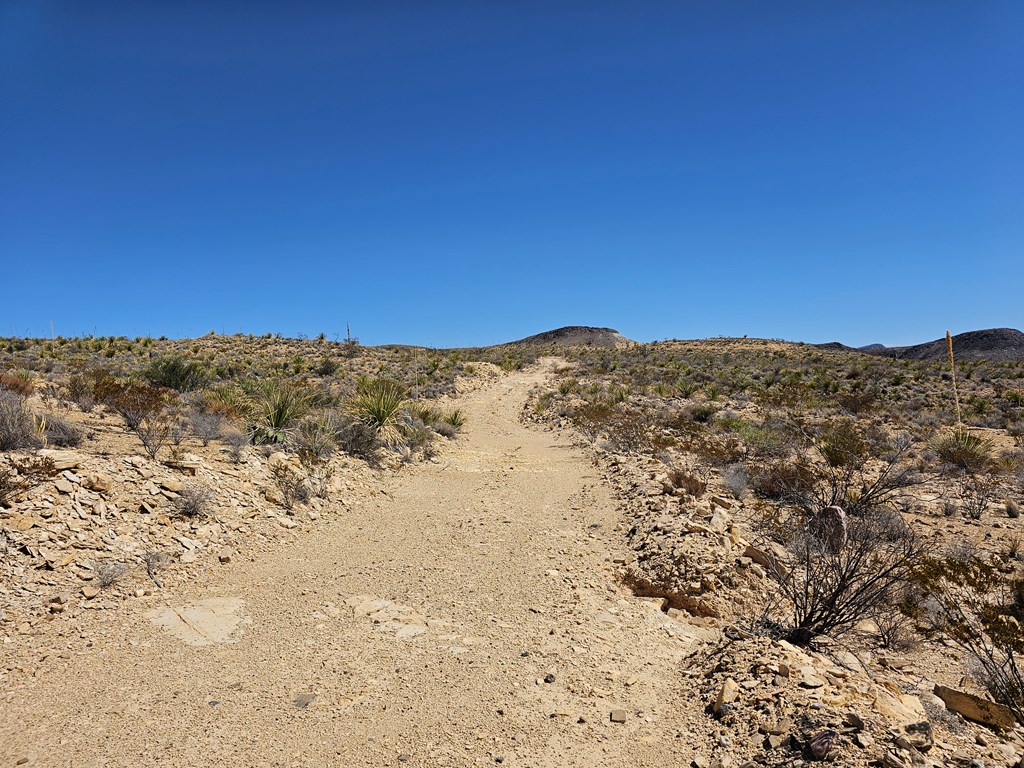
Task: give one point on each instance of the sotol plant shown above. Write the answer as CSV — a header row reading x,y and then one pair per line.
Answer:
x,y
377,403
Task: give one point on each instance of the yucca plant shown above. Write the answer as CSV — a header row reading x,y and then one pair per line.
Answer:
x,y
276,407
455,418
377,403
962,448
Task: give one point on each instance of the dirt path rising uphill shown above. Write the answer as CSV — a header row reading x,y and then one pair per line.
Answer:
x,y
466,616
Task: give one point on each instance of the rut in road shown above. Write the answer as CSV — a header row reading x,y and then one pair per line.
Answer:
x,y
466,615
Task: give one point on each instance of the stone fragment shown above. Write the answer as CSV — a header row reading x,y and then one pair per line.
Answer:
x,y
976,708
900,707
726,695
618,716
828,526
98,482
920,735
226,554
61,459
89,592
809,679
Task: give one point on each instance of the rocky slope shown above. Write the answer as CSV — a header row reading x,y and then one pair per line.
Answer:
x,y
578,334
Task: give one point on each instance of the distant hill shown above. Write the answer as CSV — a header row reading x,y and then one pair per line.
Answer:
x,y
578,334
989,344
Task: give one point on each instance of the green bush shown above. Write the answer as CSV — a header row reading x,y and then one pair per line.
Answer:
x,y
175,372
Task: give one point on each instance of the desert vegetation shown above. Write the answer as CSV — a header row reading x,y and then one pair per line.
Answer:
x,y
857,479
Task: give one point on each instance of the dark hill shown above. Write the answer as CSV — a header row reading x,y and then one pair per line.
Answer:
x,y
989,344
578,334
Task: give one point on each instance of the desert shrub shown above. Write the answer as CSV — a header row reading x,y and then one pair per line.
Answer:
x,y
175,372
832,577
79,391
688,481
357,438
206,426
106,572
975,492
857,401
624,432
982,610
19,430
315,441
1012,509
326,367
290,484
701,412
22,476
782,480
861,484
377,403
842,443
736,480
962,448
766,439
134,401
20,383
228,400
236,442
61,432
895,618
193,501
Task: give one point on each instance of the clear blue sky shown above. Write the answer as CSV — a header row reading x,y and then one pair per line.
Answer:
x,y
460,173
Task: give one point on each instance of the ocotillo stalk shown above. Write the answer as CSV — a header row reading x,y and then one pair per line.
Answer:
x,y
952,368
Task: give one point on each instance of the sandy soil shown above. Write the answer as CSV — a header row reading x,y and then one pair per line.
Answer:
x,y
467,615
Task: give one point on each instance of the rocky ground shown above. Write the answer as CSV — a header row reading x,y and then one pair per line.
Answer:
x,y
502,603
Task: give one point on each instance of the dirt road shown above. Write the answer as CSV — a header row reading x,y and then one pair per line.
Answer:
x,y
465,616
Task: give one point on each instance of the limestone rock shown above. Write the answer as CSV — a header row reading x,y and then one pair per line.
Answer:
x,y
727,695
976,708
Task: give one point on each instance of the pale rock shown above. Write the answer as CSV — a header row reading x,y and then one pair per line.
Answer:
x,y
976,708
98,482
61,459
726,695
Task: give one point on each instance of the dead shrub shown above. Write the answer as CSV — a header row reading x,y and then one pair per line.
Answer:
x,y
193,502
290,484
61,432
19,429
830,582
687,481
106,572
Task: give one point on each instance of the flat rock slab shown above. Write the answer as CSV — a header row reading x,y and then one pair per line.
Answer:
x,y
213,621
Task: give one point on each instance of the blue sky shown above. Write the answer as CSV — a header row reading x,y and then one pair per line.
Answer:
x,y
461,173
